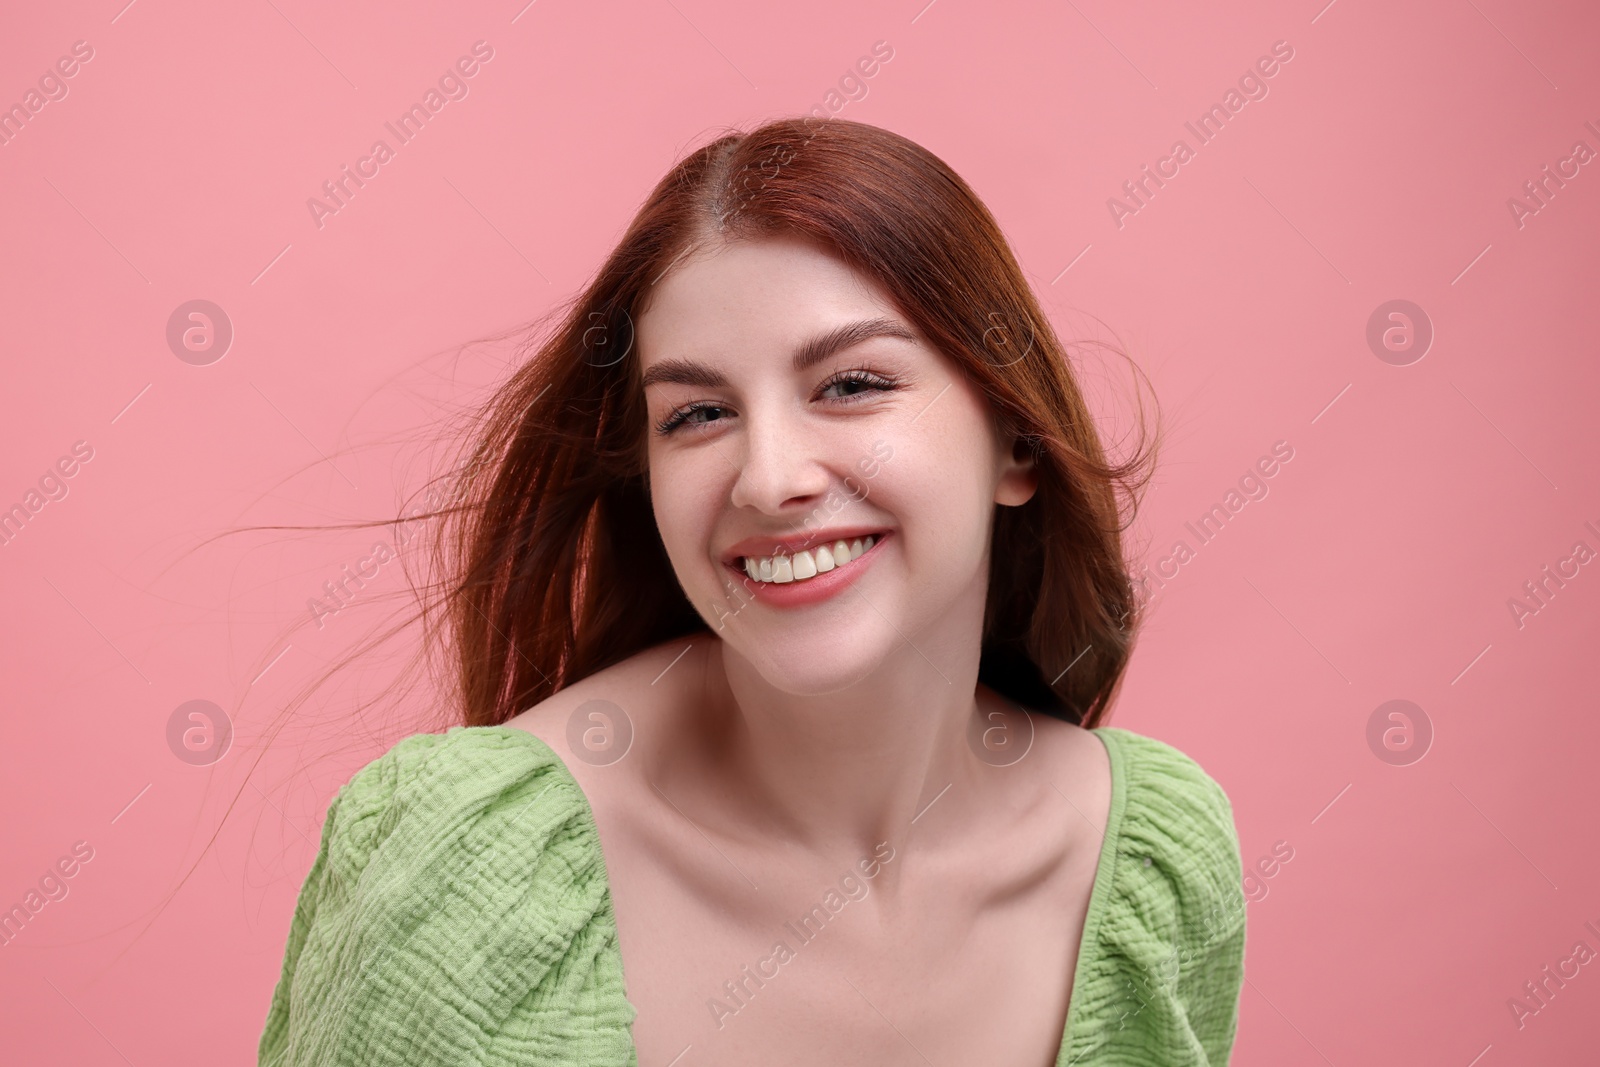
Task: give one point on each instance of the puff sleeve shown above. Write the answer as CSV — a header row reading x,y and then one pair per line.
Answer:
x,y
457,912
1164,958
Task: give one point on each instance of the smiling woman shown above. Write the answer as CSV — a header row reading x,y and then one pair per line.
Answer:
x,y
701,667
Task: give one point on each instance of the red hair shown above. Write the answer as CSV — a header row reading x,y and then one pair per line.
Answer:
x,y
551,567
556,569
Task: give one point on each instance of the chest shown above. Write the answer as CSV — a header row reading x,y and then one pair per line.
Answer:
x,y
735,957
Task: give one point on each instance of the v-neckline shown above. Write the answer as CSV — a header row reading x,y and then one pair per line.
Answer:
x,y
1099,895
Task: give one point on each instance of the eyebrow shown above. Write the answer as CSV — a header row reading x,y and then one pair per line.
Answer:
x,y
808,355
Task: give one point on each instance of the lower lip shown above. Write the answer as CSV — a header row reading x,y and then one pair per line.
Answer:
x,y
811,590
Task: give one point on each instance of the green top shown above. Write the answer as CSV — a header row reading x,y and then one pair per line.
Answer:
x,y
458,913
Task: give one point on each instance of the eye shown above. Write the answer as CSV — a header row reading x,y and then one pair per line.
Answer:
x,y
682,415
863,377
867,380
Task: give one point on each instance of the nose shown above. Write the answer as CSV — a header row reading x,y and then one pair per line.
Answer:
x,y
780,464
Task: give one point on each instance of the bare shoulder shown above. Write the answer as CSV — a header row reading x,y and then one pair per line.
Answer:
x,y
596,721
1054,800
1056,759
1077,765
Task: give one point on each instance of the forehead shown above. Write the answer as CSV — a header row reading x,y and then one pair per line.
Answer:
x,y
753,291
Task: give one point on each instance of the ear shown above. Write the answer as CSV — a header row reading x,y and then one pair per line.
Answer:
x,y
1019,475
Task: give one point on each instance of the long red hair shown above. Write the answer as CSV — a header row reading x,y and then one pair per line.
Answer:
x,y
549,566
555,567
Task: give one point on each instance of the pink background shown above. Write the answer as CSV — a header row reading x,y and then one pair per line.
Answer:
x,y
1418,501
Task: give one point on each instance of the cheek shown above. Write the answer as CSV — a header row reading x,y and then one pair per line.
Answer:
x,y
949,466
935,492
683,499
946,484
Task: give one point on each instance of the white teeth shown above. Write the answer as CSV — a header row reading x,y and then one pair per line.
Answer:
x,y
802,565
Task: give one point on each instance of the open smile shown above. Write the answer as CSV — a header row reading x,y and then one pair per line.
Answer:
x,y
808,576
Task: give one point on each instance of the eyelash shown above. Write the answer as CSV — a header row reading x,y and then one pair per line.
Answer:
x,y
859,375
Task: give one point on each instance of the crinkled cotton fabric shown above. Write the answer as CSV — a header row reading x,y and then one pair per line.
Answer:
x,y
458,913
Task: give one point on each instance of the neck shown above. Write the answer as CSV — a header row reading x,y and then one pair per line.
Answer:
x,y
845,771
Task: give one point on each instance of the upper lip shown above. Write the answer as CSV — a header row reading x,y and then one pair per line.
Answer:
x,y
762,547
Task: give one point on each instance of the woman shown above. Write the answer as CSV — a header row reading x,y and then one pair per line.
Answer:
x,y
788,597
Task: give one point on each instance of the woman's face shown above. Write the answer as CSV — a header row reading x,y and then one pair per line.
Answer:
x,y
877,432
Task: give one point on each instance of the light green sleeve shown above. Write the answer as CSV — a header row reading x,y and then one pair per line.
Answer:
x,y
1164,964
457,912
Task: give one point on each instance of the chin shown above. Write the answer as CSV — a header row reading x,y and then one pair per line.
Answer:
x,y
816,659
